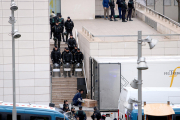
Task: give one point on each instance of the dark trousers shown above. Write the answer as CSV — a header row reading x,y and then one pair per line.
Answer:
x,y
62,33
123,14
129,13
68,32
120,15
71,48
51,31
76,103
112,13
58,36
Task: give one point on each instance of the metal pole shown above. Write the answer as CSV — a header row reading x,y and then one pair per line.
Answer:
x,y
154,5
14,113
139,77
163,7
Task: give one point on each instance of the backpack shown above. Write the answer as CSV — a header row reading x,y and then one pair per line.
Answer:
x,y
52,21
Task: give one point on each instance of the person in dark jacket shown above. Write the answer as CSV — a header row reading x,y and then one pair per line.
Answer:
x,y
66,108
69,25
73,53
61,23
65,104
124,7
67,61
55,56
52,23
112,6
77,100
73,112
78,56
106,8
130,8
118,4
71,43
81,114
96,114
63,52
57,30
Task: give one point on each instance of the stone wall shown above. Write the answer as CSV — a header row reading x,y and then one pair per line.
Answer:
x,y
32,52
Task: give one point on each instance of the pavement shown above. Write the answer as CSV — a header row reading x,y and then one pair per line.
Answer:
x,y
106,27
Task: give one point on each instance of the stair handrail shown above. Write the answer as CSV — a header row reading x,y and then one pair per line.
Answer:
x,y
76,36
157,13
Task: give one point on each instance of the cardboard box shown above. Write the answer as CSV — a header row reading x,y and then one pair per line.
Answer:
x,y
89,103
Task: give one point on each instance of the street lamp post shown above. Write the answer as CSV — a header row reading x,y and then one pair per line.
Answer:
x,y
15,35
139,77
14,113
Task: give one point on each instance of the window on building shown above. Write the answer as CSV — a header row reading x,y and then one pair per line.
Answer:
x,y
9,117
167,2
39,118
175,2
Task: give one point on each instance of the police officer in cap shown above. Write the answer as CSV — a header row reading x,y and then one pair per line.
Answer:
x,y
124,7
112,6
69,25
55,56
67,58
71,43
81,114
73,53
130,7
63,52
57,30
61,22
52,22
78,57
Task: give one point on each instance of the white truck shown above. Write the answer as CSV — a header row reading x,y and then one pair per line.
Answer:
x,y
149,95
110,74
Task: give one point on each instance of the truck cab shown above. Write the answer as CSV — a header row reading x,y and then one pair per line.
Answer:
x,y
31,112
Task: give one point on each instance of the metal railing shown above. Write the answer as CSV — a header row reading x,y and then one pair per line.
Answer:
x,y
76,34
87,32
137,4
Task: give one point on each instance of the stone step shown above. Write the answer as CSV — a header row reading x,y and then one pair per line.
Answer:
x,y
69,85
64,89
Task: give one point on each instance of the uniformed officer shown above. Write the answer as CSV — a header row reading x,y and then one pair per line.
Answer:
x,y
78,56
61,22
112,6
81,114
124,7
73,52
67,58
96,115
71,43
55,56
56,30
130,7
52,23
69,25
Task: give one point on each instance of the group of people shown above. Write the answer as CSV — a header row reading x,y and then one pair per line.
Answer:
x,y
69,56
122,7
57,26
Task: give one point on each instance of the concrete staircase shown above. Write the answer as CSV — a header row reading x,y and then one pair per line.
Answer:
x,y
62,88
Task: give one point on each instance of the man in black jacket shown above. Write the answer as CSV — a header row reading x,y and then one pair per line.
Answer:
x,y
52,23
67,61
63,52
96,114
57,30
71,43
69,27
130,7
81,114
73,53
78,57
124,7
55,56
61,22
112,6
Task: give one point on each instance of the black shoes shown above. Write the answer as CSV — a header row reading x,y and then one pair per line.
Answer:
x,y
115,20
124,21
111,20
130,20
